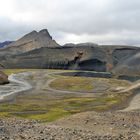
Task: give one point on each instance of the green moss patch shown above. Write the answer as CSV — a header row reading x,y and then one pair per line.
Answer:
x,y
84,84
55,109
73,84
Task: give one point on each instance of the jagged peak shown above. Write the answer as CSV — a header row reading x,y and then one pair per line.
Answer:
x,y
45,33
32,40
33,32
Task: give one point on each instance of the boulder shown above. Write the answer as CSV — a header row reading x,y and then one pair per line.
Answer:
x,y
3,78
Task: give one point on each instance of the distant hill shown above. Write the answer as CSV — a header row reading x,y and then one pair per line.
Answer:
x,y
5,43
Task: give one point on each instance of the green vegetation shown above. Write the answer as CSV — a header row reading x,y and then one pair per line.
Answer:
x,y
73,84
46,106
11,71
84,84
49,110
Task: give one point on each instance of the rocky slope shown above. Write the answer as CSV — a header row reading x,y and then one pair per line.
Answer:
x,y
83,126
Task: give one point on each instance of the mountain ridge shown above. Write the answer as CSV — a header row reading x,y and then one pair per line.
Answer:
x,y
39,50
31,41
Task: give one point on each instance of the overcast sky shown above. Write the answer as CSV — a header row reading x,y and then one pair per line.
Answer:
x,y
98,21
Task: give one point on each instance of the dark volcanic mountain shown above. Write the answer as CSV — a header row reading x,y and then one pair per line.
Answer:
x,y
39,50
5,43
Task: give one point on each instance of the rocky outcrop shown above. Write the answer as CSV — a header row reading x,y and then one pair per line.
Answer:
x,y
3,78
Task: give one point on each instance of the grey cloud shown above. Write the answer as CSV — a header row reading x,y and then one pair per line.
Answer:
x,y
99,19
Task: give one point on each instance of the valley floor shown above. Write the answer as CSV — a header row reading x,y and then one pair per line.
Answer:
x,y
69,113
